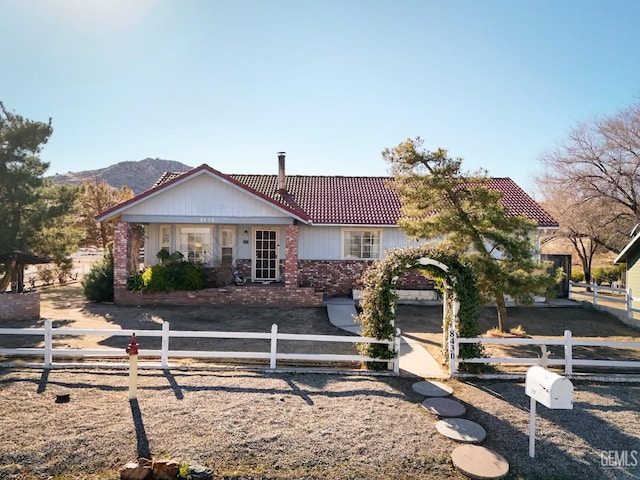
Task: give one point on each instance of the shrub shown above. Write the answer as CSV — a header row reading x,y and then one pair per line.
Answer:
x,y
173,274
98,283
577,276
607,274
45,274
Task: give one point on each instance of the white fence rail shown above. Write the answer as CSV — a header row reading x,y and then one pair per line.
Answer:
x,y
568,342
601,296
49,352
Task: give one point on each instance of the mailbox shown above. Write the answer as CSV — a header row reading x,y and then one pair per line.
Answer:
x,y
549,388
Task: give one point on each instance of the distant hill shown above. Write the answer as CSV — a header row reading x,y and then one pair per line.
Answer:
x,y
138,176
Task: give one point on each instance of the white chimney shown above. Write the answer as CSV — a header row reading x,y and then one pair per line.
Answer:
x,y
282,184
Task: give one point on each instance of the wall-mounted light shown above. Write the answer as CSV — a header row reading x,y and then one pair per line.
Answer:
x,y
245,237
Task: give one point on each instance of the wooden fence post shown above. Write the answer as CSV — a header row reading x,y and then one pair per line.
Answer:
x,y
568,353
629,303
274,346
48,343
164,354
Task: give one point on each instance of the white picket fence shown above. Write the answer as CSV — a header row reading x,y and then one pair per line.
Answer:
x,y
49,352
607,297
568,342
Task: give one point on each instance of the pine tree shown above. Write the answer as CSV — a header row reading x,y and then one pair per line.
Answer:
x,y
440,201
32,217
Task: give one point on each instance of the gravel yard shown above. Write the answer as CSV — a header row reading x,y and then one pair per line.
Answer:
x,y
250,424
254,425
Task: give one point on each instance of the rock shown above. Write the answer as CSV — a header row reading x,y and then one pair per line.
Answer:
x,y
139,470
198,472
165,470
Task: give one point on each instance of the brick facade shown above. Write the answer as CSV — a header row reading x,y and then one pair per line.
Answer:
x,y
122,267
20,306
272,295
291,257
339,277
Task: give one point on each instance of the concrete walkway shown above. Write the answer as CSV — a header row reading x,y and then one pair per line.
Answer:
x,y
414,359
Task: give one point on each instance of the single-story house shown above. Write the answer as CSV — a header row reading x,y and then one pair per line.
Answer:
x,y
313,236
630,255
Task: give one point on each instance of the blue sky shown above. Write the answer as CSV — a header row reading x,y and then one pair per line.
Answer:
x,y
332,83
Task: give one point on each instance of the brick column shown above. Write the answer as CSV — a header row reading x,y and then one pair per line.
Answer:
x,y
121,258
291,257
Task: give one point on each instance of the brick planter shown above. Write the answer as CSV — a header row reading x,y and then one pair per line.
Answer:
x,y
20,306
272,295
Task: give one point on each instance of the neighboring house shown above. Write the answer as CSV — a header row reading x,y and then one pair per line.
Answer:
x,y
630,255
312,235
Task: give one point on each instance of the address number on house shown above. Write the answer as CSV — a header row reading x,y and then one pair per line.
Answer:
x,y
206,220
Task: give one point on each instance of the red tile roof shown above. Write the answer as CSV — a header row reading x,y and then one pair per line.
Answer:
x,y
337,200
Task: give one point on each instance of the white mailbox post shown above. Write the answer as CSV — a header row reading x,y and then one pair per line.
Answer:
x,y
550,389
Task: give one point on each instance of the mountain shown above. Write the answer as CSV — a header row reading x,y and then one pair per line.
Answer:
x,y
138,176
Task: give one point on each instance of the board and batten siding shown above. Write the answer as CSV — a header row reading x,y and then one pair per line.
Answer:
x,y
633,274
205,196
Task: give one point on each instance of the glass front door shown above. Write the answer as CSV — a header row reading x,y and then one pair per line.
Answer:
x,y
265,262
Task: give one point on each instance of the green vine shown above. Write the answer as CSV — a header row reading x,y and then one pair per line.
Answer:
x,y
378,301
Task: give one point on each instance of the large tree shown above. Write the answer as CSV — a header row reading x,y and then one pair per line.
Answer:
x,y
33,214
441,201
95,198
587,225
600,160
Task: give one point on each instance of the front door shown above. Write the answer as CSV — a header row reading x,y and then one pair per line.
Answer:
x,y
265,261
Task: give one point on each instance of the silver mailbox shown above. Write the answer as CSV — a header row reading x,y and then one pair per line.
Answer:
x,y
549,388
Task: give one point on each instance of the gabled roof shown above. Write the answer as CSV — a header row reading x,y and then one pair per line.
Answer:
x,y
338,200
169,179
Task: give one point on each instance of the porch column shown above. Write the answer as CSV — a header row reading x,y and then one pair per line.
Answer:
x,y
291,257
121,258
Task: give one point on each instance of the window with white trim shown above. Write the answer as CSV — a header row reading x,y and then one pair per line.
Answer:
x,y
227,245
361,244
165,237
196,244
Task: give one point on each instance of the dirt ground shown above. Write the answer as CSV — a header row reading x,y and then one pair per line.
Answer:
x,y
250,424
67,307
424,323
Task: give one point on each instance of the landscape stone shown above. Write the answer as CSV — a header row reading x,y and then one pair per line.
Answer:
x,y
138,470
461,430
165,470
432,389
199,472
479,462
444,407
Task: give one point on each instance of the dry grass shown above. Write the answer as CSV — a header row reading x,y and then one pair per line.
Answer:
x,y
272,425
252,425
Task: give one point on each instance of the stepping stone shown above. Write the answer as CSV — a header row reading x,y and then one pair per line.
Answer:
x,y
461,430
479,462
432,389
444,407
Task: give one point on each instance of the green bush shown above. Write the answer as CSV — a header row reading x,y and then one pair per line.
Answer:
x,y
98,283
607,274
577,276
173,274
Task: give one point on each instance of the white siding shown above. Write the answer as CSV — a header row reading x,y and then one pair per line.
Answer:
x,y
205,196
325,243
